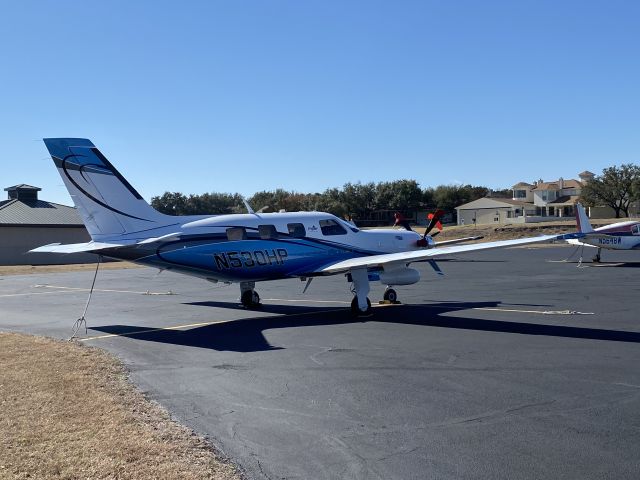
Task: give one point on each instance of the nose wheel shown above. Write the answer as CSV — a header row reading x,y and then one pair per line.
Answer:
x,y
390,295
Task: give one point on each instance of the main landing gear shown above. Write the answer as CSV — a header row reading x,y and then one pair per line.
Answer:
x,y
596,259
360,305
248,296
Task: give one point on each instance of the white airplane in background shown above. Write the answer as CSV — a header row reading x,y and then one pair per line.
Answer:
x,y
239,248
617,236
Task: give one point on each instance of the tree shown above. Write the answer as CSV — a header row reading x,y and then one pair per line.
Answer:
x,y
398,195
174,203
170,203
448,197
617,187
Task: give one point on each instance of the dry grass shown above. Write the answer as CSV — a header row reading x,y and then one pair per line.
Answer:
x,y
68,411
513,231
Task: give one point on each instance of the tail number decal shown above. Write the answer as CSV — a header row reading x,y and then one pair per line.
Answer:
x,y
610,241
250,259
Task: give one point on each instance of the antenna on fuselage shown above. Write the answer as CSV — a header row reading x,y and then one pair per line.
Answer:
x,y
246,204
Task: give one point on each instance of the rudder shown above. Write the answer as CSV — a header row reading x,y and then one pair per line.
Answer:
x,y
105,200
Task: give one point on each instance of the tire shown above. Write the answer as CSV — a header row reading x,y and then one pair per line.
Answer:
x,y
250,299
355,310
390,295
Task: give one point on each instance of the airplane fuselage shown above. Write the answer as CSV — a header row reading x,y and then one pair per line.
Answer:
x,y
264,246
618,236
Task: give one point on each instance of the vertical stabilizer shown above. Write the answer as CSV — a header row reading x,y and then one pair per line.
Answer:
x,y
108,204
582,221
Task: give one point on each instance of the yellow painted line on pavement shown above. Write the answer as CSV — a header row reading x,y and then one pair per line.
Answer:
x,y
150,330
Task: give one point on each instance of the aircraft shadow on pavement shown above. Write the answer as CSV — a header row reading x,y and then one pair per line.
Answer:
x,y
291,309
246,335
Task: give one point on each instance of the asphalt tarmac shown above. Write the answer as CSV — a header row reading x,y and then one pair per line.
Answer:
x,y
515,365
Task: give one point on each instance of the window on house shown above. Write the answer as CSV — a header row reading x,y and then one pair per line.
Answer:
x,y
267,232
331,227
296,230
236,233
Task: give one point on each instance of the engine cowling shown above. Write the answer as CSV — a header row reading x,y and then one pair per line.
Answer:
x,y
400,276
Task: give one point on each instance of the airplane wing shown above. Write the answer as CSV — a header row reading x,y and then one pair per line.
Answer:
x,y
457,240
88,247
380,261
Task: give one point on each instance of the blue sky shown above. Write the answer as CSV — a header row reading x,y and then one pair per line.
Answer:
x,y
242,96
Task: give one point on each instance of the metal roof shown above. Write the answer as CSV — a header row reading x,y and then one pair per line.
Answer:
x,y
38,213
22,186
492,202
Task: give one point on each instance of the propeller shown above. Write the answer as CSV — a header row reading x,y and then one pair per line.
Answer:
x,y
401,221
434,222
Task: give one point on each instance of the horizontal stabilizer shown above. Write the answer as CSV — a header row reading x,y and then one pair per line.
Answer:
x,y
163,238
87,247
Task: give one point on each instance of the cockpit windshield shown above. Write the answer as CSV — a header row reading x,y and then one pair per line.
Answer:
x,y
350,226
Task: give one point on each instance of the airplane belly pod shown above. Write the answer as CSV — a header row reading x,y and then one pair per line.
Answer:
x,y
400,276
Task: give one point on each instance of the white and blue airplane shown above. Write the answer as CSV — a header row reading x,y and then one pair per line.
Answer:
x,y
617,236
239,248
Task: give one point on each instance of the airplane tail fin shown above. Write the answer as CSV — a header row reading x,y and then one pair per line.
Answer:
x,y
582,221
108,205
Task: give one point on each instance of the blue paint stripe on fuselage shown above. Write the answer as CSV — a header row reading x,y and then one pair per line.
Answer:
x,y
253,259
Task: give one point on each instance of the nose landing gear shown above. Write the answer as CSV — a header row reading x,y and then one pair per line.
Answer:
x,y
390,295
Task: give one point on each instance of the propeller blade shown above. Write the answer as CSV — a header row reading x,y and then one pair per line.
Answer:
x,y
435,220
400,220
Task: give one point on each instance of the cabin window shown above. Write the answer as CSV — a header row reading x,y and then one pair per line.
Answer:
x,y
296,230
267,232
635,230
331,227
236,233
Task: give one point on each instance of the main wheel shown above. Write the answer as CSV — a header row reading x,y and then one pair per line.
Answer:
x,y
355,310
390,295
250,299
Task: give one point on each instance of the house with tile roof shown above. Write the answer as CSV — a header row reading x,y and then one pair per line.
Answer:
x,y
531,202
26,222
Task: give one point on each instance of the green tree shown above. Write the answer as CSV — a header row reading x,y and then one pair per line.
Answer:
x,y
359,199
617,187
170,203
398,195
174,203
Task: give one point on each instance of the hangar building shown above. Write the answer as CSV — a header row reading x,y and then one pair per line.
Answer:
x,y
27,222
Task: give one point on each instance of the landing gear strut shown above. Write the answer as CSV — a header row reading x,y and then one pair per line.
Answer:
x,y
596,259
248,296
360,305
